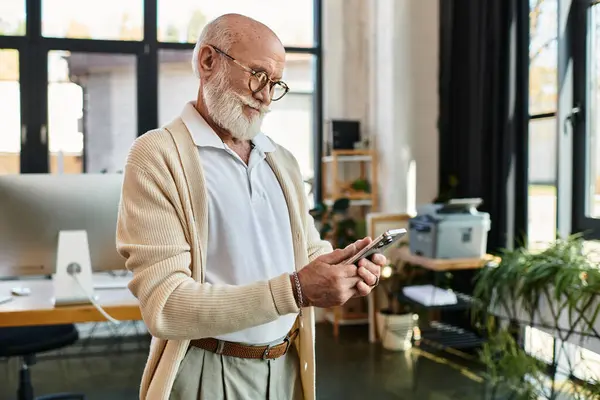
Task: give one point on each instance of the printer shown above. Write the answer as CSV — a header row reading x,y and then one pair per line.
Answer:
x,y
455,229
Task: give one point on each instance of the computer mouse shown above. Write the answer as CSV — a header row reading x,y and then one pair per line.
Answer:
x,y
21,291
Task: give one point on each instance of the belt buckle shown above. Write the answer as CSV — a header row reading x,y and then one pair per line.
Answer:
x,y
287,340
266,352
220,347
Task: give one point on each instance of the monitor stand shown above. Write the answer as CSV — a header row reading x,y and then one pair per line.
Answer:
x,y
72,280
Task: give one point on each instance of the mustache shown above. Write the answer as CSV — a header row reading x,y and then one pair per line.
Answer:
x,y
262,108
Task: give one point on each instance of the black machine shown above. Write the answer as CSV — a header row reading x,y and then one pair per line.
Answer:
x,y
344,134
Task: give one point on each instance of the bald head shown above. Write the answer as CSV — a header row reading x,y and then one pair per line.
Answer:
x,y
231,31
239,62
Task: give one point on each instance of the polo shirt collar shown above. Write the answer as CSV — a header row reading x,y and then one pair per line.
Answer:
x,y
204,136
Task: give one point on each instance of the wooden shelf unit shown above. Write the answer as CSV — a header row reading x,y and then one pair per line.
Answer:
x,y
340,189
367,201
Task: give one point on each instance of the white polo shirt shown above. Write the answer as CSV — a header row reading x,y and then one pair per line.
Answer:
x,y
249,233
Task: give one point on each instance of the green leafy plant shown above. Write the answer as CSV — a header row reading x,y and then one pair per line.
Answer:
x,y
361,185
336,225
558,289
511,373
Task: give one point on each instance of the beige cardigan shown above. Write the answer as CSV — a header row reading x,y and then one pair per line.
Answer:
x,y
162,232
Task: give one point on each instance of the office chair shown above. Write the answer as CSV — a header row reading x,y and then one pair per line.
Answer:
x,y
25,342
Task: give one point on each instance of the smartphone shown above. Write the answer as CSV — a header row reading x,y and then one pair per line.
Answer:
x,y
379,245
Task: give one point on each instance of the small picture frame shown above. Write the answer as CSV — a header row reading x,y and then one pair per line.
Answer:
x,y
378,223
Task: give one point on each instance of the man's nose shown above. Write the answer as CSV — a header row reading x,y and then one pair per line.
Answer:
x,y
264,95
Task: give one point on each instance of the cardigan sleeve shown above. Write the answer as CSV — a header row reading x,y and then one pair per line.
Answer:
x,y
151,235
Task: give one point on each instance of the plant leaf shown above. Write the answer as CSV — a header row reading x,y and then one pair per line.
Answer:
x,y
325,229
341,205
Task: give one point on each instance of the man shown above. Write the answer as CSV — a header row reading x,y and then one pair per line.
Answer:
x,y
214,224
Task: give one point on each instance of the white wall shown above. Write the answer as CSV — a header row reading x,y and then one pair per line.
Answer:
x,y
381,67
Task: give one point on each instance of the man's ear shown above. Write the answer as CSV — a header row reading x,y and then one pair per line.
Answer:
x,y
206,60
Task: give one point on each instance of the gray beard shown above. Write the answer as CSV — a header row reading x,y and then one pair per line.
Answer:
x,y
226,109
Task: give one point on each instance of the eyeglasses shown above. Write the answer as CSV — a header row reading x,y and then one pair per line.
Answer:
x,y
259,79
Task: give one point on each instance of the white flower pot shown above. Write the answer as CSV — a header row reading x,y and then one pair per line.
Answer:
x,y
396,330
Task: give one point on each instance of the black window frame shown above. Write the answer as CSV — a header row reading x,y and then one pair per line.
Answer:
x,y
33,49
576,118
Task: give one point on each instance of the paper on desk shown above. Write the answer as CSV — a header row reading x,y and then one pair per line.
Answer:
x,y
429,295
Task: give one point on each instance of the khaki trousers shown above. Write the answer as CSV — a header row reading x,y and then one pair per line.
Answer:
x,y
204,375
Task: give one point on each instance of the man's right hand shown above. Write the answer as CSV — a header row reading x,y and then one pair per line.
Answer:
x,y
327,282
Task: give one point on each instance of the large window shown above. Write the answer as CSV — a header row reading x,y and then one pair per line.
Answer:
x,y
92,106
12,17
543,93
93,77
564,148
182,20
593,115
542,146
10,112
176,83
107,19
585,120
293,115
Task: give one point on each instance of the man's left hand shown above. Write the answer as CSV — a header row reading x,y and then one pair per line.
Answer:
x,y
370,271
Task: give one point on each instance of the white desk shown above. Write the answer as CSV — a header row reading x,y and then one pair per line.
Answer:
x,y
38,307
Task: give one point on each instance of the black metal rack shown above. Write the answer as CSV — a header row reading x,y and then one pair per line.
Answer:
x,y
440,336
463,303
443,335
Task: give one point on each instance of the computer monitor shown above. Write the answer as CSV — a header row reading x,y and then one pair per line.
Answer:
x,y
34,208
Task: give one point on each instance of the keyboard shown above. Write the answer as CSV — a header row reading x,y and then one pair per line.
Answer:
x,y
110,285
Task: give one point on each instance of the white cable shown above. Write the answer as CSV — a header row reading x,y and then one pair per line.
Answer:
x,y
94,303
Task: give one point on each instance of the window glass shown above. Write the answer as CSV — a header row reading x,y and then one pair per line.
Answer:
x,y
290,122
10,112
182,20
593,121
543,56
542,182
543,19
176,83
107,19
92,111
12,17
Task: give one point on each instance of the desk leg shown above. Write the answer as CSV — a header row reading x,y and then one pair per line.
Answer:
x,y
25,391
435,315
336,322
372,301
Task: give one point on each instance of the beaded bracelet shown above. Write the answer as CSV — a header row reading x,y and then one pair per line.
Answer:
x,y
298,291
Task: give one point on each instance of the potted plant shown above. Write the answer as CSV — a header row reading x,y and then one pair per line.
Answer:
x,y
558,290
396,322
336,224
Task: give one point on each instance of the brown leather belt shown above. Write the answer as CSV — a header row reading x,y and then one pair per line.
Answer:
x,y
232,349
